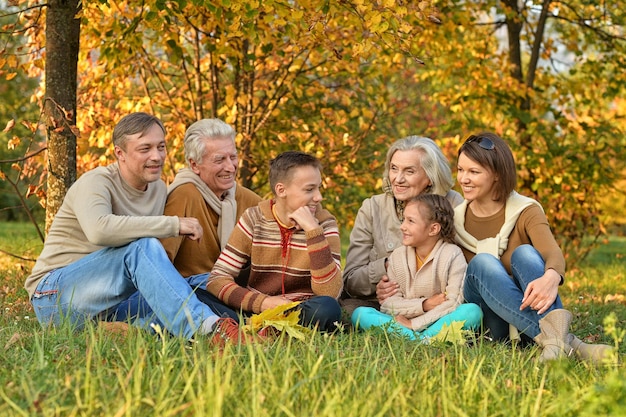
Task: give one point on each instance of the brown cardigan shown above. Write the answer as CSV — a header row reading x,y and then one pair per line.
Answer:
x,y
188,256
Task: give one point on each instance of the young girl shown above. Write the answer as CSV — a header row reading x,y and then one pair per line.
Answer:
x,y
430,270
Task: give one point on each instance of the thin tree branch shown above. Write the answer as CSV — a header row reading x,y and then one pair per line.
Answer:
x,y
25,206
582,22
17,256
24,158
18,12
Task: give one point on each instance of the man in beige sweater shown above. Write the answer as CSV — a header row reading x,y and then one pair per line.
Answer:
x,y
205,190
103,244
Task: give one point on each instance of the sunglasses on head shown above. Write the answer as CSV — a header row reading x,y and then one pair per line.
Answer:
x,y
482,141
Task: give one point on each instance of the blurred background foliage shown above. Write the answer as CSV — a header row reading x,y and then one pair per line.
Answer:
x,y
343,79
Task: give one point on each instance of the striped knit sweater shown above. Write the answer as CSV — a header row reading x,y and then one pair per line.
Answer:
x,y
286,262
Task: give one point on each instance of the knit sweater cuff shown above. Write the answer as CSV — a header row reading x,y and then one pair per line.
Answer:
x,y
318,231
257,303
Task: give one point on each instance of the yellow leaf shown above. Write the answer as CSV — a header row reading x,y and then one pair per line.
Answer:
x,y
12,61
617,298
283,318
451,333
14,142
276,313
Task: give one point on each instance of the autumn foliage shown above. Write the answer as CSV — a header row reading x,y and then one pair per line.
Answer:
x,y
342,79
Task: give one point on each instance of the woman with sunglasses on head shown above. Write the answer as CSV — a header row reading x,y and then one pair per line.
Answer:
x,y
414,165
515,265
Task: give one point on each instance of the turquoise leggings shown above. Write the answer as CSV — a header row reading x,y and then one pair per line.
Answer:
x,y
367,317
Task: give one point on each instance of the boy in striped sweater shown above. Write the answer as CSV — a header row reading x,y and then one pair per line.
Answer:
x,y
292,245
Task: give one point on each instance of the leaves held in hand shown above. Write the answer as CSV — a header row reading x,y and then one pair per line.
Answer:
x,y
283,318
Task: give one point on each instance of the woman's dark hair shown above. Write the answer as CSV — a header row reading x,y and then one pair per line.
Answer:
x,y
491,152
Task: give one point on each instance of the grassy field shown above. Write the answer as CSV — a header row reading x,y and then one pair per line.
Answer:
x,y
58,372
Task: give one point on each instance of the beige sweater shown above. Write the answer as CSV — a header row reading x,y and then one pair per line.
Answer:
x,y
521,221
191,257
376,233
101,210
443,272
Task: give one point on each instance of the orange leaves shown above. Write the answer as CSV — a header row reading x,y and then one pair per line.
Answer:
x,y
32,190
75,131
615,298
9,125
14,142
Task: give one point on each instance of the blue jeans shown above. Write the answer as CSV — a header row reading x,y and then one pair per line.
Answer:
x,y
321,311
98,283
499,295
137,310
368,317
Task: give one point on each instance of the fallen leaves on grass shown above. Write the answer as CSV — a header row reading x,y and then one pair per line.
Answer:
x,y
452,333
13,340
615,298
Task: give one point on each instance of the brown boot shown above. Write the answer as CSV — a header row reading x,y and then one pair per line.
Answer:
x,y
597,354
554,335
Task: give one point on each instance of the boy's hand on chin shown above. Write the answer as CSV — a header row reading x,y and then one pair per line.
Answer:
x,y
304,219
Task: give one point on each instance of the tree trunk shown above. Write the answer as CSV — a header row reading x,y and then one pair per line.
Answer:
x,y
514,26
62,43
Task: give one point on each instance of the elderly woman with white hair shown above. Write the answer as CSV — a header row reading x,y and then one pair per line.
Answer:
x,y
414,165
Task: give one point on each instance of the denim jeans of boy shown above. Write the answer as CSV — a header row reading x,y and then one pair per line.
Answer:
x,y
97,283
499,295
320,311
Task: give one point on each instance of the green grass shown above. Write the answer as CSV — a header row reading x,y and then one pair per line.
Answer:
x,y
57,372
609,252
